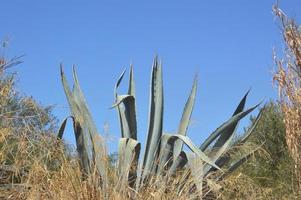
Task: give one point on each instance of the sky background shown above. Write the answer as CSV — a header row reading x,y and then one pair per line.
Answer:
x,y
228,43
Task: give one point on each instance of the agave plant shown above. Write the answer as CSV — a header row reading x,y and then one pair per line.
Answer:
x,y
164,156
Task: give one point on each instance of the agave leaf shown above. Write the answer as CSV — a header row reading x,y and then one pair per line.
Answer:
x,y
128,152
155,120
80,115
237,164
98,146
192,147
241,104
127,115
126,108
84,114
81,148
166,152
100,153
118,82
120,99
185,119
122,154
81,101
226,158
250,130
178,164
219,152
195,164
231,128
78,130
62,128
85,131
225,127
74,108
131,90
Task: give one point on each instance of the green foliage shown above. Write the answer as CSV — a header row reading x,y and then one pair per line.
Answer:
x,y
273,169
26,130
20,112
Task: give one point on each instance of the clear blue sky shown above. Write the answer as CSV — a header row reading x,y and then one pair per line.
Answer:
x,y
229,43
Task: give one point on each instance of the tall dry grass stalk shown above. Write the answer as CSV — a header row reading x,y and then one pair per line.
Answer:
x,y
288,79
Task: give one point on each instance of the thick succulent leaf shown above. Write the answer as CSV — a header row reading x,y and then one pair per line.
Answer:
x,y
76,111
192,147
122,154
250,130
118,82
81,101
241,104
84,114
98,146
74,108
100,160
166,152
219,153
184,123
62,128
155,120
226,158
90,144
81,144
231,129
178,164
81,148
225,126
131,90
127,115
236,165
127,109
119,99
195,164
128,154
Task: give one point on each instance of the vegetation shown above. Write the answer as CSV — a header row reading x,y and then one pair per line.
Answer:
x,y
19,111
289,84
264,162
275,173
25,128
34,164
164,160
270,172
274,169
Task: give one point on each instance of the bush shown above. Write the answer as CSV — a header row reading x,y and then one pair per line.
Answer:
x,y
271,172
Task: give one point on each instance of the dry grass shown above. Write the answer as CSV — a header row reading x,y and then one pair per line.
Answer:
x,y
288,78
41,169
